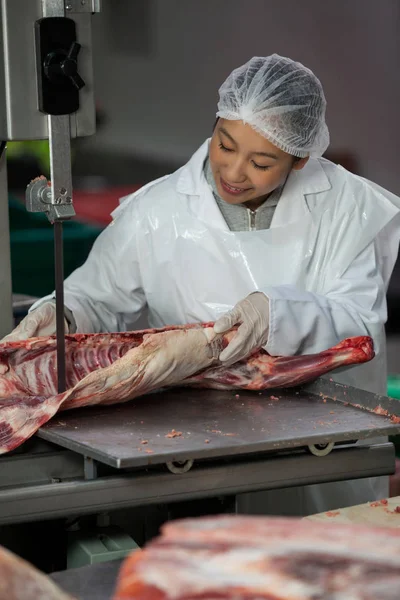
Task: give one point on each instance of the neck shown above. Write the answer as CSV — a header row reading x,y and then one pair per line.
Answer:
x,y
256,203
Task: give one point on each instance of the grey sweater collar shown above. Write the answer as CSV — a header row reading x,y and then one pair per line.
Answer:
x,y
238,216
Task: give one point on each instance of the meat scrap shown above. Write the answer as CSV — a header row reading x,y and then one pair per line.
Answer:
x,y
379,410
173,434
263,558
118,367
396,511
383,502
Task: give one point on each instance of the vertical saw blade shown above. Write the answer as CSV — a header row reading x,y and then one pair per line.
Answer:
x,y
59,287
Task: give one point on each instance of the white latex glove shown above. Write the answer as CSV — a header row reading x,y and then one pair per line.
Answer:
x,y
252,316
39,322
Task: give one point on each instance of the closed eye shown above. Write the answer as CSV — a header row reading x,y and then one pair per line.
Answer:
x,y
255,165
224,148
262,167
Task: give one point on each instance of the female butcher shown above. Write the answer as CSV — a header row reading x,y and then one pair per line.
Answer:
x,y
258,230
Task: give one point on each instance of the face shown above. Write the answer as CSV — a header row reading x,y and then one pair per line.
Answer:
x,y
245,165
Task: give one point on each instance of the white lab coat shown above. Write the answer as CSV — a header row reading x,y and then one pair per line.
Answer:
x,y
325,265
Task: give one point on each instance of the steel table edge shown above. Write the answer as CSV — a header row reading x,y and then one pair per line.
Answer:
x,y
265,446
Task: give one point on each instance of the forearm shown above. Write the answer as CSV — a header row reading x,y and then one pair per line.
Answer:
x,y
302,322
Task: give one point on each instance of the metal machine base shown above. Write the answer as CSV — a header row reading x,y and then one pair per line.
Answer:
x,y
42,486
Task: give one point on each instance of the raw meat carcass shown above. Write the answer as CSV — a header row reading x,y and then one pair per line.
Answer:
x,y
21,581
263,558
114,368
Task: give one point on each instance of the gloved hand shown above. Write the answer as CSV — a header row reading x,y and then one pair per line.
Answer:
x,y
252,314
40,322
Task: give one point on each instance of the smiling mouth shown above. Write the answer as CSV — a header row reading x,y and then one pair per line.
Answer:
x,y
232,189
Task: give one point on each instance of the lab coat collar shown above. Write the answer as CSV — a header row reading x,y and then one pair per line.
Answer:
x,y
311,179
293,204
192,182
191,175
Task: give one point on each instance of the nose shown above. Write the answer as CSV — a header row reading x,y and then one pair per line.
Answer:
x,y
235,170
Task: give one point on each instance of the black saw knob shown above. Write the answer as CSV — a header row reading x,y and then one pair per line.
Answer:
x,y
69,66
60,64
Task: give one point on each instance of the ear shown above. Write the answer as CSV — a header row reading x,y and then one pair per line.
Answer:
x,y
299,164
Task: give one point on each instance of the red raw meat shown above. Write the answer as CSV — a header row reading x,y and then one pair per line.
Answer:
x,y
263,558
115,368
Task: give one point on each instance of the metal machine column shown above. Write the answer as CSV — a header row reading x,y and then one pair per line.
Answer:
x,y
6,320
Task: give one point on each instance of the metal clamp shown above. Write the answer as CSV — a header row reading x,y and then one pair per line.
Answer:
x,y
39,198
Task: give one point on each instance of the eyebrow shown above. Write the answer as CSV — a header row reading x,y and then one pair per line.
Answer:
x,y
267,154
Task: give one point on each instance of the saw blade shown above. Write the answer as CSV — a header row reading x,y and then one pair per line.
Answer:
x,y
59,287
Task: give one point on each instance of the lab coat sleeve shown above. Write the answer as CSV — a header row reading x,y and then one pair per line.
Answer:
x,y
106,292
303,322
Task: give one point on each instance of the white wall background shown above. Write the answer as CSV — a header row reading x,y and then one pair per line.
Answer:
x,y
159,63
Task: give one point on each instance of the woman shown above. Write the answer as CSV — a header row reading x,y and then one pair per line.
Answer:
x,y
255,229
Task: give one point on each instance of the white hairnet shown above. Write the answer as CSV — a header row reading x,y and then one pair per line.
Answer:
x,y
282,100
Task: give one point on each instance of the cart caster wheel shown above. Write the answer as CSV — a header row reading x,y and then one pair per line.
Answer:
x,y
321,449
180,466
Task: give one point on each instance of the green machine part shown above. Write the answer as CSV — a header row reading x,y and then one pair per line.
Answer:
x,y
393,390
88,547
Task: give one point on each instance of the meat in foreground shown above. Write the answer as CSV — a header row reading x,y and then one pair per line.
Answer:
x,y
250,558
114,368
19,580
